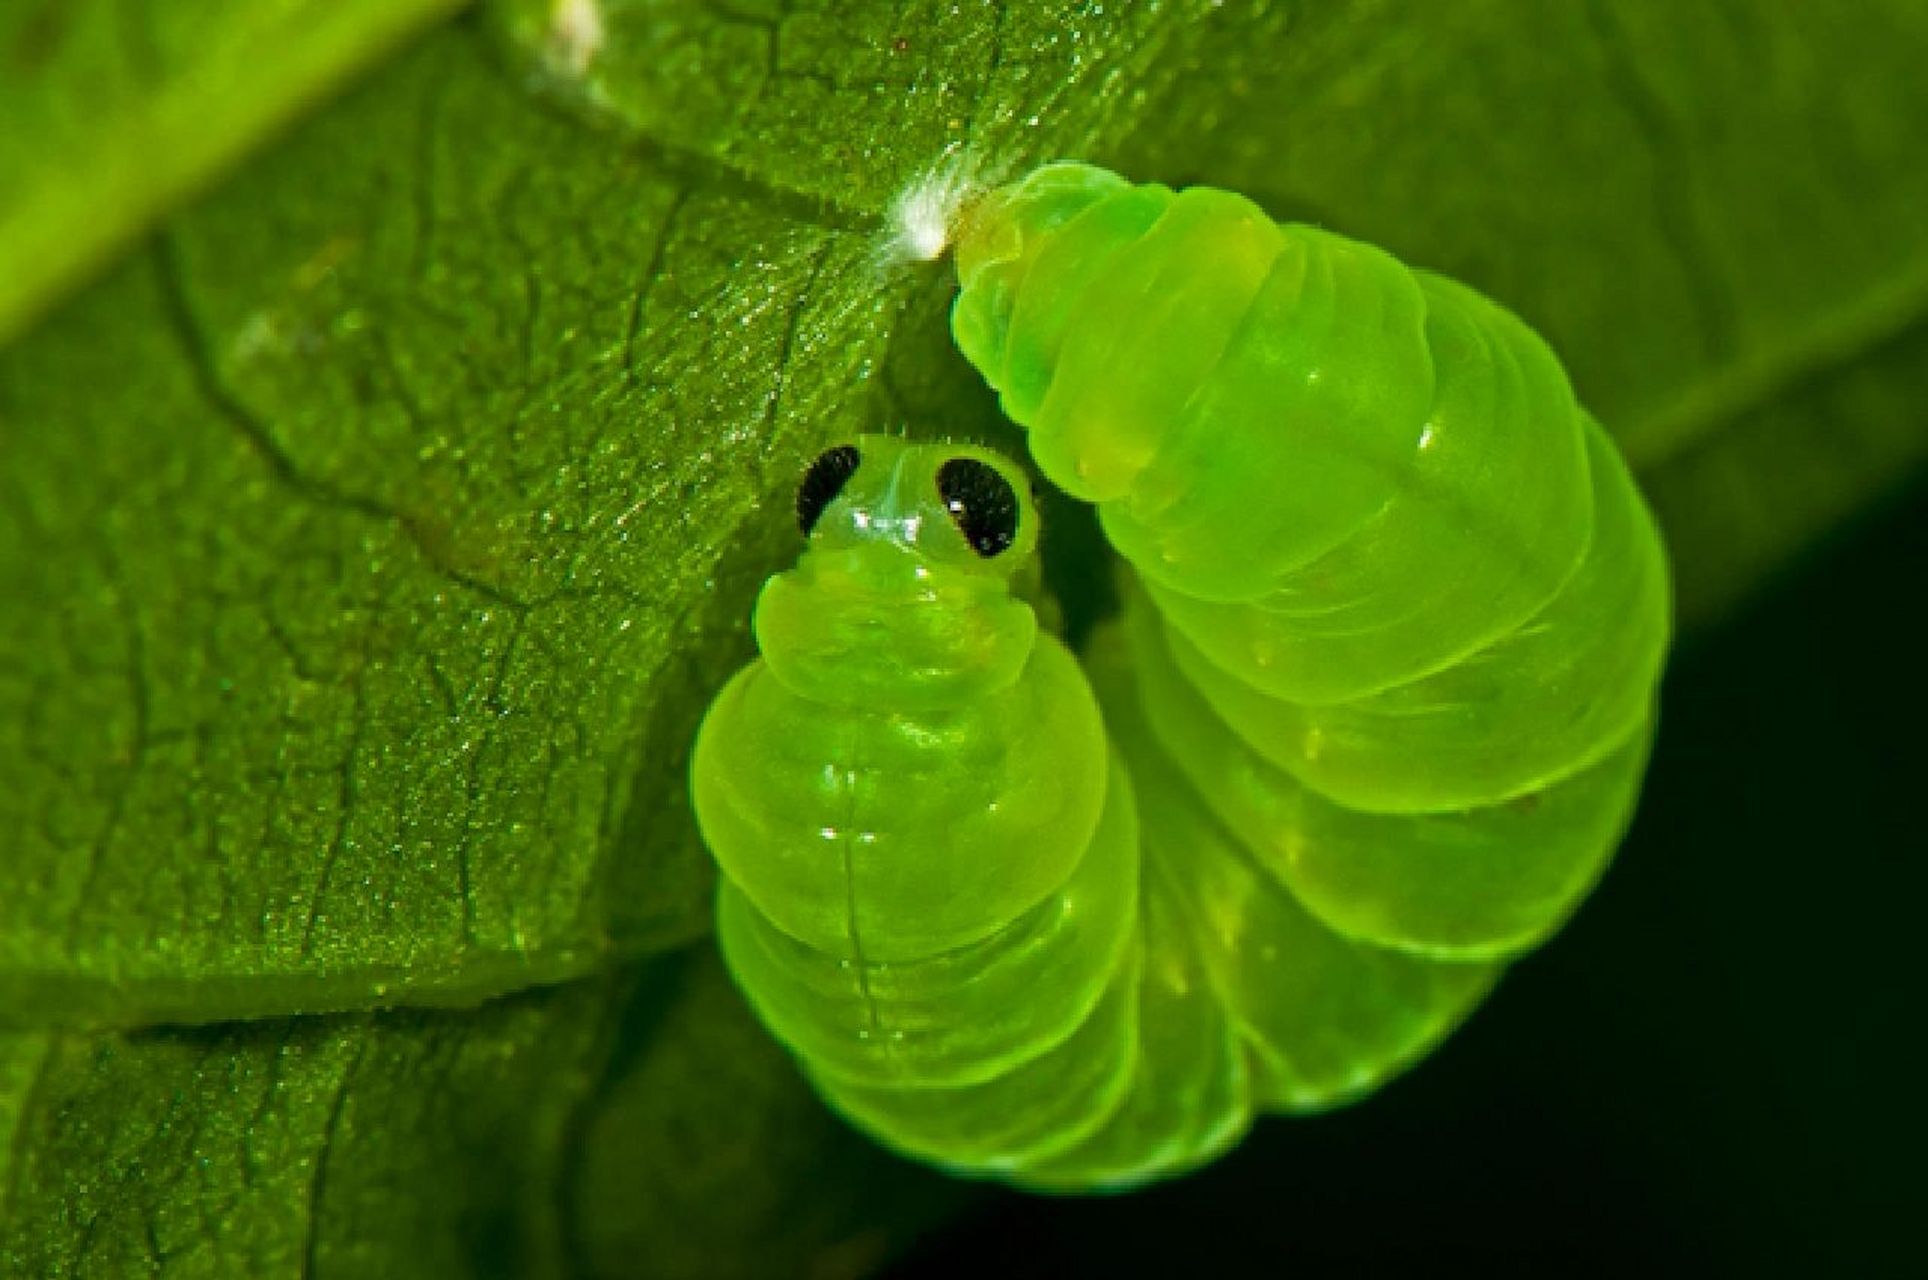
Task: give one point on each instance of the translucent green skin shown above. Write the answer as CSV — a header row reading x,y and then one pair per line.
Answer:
x,y
930,885
1403,612
937,893
1373,723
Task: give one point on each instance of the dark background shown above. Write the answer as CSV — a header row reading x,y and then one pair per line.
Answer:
x,y
1714,1070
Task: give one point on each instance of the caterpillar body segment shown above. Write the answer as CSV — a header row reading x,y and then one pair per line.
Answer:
x,y
1390,555
978,953
1371,722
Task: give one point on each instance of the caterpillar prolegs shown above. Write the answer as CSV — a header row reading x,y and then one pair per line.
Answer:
x,y
1372,720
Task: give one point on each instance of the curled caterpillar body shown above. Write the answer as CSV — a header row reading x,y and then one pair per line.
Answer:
x,y
930,863
1371,721
1397,594
940,891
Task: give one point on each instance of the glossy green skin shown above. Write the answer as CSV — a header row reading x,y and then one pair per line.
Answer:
x,y
930,883
941,899
1373,718
1399,612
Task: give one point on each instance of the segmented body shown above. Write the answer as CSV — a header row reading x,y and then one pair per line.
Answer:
x,y
1383,690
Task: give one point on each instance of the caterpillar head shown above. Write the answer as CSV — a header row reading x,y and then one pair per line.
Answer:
x,y
1028,255
998,239
914,587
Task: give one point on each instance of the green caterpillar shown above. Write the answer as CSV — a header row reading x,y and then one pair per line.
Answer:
x,y
1372,721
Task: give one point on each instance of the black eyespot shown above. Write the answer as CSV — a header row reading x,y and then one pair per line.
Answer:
x,y
981,503
823,482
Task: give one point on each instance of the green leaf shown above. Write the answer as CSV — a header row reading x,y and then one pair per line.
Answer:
x,y
113,112
21,1054
708,1155
400,1144
482,1142
375,564
1714,215
374,534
